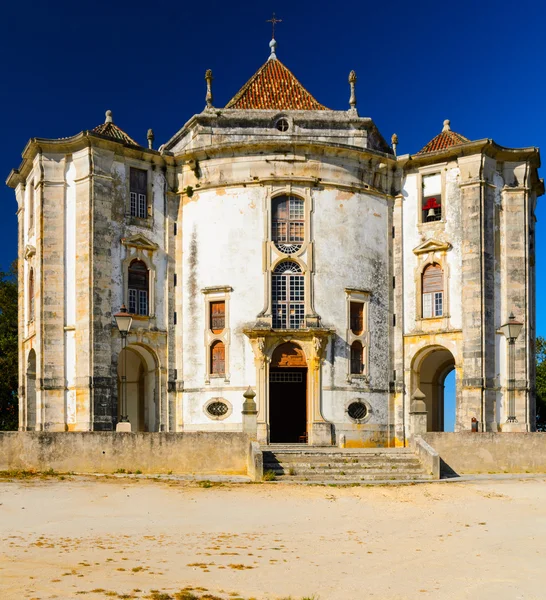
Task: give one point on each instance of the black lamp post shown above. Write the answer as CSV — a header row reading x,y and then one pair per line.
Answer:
x,y
511,331
123,321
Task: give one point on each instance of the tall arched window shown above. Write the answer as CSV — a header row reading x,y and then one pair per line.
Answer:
x,y
288,296
357,362
217,358
31,295
433,291
138,288
287,223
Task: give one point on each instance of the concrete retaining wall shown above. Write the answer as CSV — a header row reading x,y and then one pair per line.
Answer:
x,y
203,453
490,452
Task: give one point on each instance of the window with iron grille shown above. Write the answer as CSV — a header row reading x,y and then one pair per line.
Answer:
x,y
357,364
432,198
288,296
288,223
138,288
357,317
217,358
139,193
217,316
432,292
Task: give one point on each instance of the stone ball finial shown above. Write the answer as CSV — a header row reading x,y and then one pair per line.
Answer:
x,y
394,139
208,74
150,138
352,77
109,118
447,127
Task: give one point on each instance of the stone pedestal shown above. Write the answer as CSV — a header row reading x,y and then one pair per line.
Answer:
x,y
124,427
250,414
513,427
320,434
418,414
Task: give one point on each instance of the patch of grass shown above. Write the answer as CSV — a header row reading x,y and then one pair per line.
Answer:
x,y
291,471
138,472
27,473
155,595
239,567
269,476
120,471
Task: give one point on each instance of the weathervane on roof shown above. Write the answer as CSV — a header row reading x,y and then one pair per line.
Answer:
x,y
273,43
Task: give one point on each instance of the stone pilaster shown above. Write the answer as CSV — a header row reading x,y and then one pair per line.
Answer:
x,y
49,281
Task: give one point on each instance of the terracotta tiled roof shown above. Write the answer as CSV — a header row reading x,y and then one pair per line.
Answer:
x,y
113,131
274,87
445,139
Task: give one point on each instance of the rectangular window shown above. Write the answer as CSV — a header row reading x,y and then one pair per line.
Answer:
x,y
139,193
432,198
357,317
217,316
433,304
133,301
142,302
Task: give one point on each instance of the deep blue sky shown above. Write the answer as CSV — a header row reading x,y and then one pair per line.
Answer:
x,y
478,63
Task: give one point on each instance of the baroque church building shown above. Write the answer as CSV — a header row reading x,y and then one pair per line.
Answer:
x,y
277,244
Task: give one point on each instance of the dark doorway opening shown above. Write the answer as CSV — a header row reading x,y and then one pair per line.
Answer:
x,y
288,405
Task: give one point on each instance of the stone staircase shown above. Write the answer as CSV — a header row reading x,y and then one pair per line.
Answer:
x,y
329,464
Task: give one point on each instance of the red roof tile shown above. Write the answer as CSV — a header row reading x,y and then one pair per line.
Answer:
x,y
274,87
113,131
445,139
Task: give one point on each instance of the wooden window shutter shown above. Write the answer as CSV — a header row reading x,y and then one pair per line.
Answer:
x,y
217,316
433,279
138,181
218,359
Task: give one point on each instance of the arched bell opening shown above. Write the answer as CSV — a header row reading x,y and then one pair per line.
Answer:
x,y
431,369
288,395
142,386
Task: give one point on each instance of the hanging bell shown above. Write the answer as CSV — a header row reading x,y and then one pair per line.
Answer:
x,y
430,213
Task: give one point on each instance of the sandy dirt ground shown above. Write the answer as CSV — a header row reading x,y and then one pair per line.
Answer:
x,y
65,538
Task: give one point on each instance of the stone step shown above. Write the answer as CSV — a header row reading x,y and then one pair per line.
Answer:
x,y
302,463
382,476
271,466
353,460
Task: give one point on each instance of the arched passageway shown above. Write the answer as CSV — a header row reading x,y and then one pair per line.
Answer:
x,y
431,369
288,395
142,387
31,391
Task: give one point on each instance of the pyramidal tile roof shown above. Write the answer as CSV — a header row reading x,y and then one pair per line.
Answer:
x,y
113,131
274,87
445,139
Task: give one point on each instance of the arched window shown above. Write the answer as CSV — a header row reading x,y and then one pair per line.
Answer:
x,y
287,223
31,295
217,358
357,362
138,287
433,291
288,296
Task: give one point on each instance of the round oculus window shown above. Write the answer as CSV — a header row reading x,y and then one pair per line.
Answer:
x,y
282,124
217,409
357,410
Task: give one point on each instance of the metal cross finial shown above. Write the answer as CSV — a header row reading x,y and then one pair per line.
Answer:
x,y
273,22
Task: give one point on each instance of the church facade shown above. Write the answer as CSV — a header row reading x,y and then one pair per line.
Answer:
x,y
281,245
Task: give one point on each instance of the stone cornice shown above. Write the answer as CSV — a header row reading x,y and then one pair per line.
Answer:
x,y
85,139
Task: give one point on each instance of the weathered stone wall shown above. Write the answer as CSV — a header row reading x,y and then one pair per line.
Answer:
x,y
468,452
105,452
